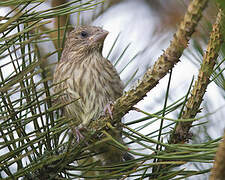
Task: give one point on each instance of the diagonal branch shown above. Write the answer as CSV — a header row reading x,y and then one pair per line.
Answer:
x,y
180,134
162,66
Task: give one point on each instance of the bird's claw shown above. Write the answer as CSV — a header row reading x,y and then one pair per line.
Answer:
x,y
108,109
78,134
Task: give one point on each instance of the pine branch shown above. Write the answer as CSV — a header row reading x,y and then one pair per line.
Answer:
x,y
180,134
162,66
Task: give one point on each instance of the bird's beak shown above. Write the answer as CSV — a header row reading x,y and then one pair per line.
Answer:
x,y
99,37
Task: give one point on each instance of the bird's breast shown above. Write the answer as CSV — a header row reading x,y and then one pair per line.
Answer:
x,y
95,84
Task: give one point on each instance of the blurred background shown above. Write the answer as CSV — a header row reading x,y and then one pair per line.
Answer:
x,y
140,30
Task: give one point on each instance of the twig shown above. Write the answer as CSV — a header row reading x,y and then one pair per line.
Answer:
x,y
162,66
181,132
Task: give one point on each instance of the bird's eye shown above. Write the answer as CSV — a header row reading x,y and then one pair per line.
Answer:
x,y
84,34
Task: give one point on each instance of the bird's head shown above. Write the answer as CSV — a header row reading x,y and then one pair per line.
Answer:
x,y
86,39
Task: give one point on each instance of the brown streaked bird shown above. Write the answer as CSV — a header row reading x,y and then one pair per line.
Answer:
x,y
84,74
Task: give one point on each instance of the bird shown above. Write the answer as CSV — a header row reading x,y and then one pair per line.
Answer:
x,y
91,83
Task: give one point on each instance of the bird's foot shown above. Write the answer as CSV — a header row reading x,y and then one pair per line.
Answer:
x,y
108,109
77,133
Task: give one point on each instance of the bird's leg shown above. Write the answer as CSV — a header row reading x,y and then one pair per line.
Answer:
x,y
108,109
79,136
77,133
